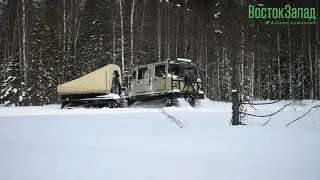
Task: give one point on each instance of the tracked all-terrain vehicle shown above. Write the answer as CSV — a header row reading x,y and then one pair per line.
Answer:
x,y
163,82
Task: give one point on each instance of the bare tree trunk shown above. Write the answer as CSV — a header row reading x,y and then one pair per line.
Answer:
x,y
290,62
206,56
159,31
60,60
279,66
67,64
165,31
242,59
214,80
242,84
2,30
113,43
168,32
5,39
5,50
302,62
177,36
75,32
185,30
218,75
317,60
229,77
235,92
122,34
64,41
143,14
259,74
20,42
131,33
142,23
113,37
77,23
268,73
252,74
24,47
224,82
311,67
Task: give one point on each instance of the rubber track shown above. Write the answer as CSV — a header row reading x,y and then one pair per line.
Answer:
x,y
162,101
135,105
100,104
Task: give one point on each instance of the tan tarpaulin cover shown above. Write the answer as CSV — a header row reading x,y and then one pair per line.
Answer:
x,y
98,81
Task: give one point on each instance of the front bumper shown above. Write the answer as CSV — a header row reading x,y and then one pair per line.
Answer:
x,y
196,95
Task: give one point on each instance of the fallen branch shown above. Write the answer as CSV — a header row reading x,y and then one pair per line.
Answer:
x,y
266,122
303,115
174,119
251,104
257,104
268,114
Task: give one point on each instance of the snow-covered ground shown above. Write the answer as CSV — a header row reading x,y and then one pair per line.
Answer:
x,y
47,143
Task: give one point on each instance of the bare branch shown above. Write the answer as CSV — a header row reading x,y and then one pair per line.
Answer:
x,y
303,115
251,105
268,114
266,122
174,119
256,104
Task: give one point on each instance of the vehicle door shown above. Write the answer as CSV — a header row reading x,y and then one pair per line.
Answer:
x,y
159,80
141,85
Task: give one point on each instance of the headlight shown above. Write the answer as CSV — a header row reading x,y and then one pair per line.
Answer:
x,y
175,85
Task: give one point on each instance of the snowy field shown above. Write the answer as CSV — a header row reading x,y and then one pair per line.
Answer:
x,y
47,143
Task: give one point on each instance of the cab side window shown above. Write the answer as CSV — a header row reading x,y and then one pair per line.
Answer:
x,y
142,73
160,70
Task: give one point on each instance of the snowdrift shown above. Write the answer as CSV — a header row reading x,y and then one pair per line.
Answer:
x,y
143,144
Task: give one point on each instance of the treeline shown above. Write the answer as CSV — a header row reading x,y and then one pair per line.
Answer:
x,y
44,43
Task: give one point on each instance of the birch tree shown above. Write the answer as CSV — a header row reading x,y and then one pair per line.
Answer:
x,y
24,48
64,21
311,94
121,4
185,29
302,64
279,66
159,28
317,59
290,61
131,33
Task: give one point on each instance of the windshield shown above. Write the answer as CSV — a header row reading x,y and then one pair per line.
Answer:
x,y
182,69
191,69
